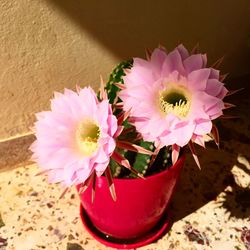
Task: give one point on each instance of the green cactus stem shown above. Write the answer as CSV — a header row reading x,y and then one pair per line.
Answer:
x,y
116,77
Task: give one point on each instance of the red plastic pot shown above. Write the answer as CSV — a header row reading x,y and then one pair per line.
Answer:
x,y
140,204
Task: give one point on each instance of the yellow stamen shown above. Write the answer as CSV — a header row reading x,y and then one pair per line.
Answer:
x,y
175,100
87,135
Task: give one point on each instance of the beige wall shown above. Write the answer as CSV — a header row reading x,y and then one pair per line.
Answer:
x,y
46,45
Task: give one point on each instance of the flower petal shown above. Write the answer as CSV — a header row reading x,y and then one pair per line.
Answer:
x,y
173,62
202,126
214,87
194,62
197,80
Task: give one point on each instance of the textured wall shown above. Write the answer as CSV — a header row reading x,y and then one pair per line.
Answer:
x,y
41,51
46,45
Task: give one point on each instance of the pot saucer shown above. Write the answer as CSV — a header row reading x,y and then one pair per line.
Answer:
x,y
110,241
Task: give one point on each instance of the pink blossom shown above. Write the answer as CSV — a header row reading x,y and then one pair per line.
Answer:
x,y
173,97
74,138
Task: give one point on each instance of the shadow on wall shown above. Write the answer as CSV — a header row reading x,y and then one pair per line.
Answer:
x,y
125,27
15,152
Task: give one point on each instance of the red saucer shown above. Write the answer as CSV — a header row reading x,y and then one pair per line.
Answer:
x,y
110,241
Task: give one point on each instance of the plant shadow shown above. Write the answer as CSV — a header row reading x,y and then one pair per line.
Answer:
x,y
224,171
198,187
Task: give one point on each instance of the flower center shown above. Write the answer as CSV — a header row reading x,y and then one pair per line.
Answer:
x,y
87,135
175,101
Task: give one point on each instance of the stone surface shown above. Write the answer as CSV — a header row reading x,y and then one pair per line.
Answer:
x,y
205,214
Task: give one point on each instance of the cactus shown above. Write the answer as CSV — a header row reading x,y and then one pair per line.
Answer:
x,y
139,161
142,160
115,168
116,77
162,161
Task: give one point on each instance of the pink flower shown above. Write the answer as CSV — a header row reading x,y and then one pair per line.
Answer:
x,y
75,138
173,97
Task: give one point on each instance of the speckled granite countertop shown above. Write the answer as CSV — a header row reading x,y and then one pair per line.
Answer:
x,y
210,210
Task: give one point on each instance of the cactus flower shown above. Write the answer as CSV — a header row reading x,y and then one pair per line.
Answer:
x,y
173,97
75,138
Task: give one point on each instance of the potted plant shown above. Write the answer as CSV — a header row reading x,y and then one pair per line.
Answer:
x,y
129,138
